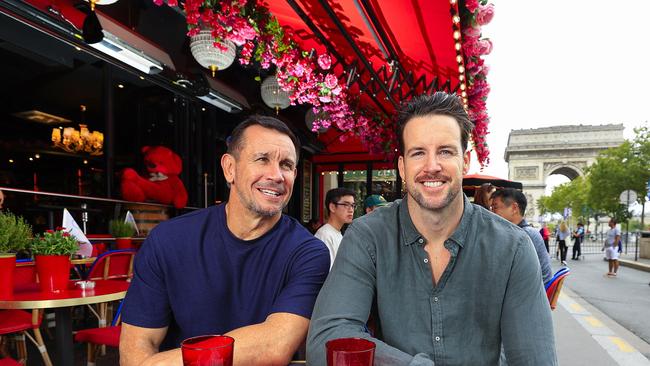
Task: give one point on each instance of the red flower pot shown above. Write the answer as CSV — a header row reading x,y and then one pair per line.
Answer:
x,y
124,243
7,266
53,272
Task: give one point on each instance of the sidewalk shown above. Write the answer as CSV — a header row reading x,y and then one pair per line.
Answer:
x,y
627,260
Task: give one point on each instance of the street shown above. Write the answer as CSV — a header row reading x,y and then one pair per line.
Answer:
x,y
601,320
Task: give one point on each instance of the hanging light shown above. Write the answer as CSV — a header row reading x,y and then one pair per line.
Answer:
x,y
273,96
209,56
310,117
82,140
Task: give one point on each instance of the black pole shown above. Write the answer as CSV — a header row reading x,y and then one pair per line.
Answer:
x,y
109,129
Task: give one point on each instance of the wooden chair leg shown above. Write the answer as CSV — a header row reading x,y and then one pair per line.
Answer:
x,y
41,347
92,349
21,347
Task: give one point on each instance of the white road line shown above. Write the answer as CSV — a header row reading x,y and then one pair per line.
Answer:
x,y
621,351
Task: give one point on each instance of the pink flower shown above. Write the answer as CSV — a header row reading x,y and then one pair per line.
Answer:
x,y
158,2
484,47
471,5
331,81
171,2
324,61
485,14
325,99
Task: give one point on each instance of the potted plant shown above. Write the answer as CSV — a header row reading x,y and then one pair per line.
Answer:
x,y
123,232
52,252
15,235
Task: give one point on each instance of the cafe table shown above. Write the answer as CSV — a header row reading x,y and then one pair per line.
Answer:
x,y
31,297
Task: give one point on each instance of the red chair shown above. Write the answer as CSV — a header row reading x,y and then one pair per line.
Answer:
x,y
9,362
114,264
21,321
102,336
554,288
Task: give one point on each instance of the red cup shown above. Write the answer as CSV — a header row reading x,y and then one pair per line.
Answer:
x,y
350,352
208,350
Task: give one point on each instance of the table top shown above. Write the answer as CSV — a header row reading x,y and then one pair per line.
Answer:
x,y
31,297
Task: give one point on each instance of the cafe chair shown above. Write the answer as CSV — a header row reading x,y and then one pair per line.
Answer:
x,y
20,321
554,286
9,362
112,265
102,336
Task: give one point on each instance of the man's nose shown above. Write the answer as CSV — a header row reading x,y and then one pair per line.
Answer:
x,y
275,173
432,163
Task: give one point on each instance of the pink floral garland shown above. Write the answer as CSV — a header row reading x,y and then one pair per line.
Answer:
x,y
308,77
474,15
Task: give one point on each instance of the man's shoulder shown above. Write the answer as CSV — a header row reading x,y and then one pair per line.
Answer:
x,y
189,222
380,217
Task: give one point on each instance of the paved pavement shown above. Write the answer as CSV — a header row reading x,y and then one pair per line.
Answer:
x,y
602,320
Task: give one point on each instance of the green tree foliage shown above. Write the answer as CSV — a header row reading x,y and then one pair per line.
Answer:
x,y
618,169
568,195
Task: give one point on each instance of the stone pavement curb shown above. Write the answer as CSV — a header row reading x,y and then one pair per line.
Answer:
x,y
636,265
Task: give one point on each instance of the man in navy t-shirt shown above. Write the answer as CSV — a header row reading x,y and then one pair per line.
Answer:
x,y
240,268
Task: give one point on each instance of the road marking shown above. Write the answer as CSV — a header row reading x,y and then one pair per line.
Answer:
x,y
621,352
622,345
593,321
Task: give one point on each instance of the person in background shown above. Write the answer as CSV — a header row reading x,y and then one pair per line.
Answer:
x,y
2,199
340,211
373,201
578,237
611,247
483,194
510,204
313,225
200,273
546,235
563,232
451,282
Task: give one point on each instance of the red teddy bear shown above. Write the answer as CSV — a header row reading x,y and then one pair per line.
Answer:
x,y
163,185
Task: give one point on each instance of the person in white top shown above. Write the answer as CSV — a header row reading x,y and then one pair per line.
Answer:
x,y
340,205
611,247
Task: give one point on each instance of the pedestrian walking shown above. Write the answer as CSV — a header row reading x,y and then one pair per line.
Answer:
x,y
611,248
546,234
563,233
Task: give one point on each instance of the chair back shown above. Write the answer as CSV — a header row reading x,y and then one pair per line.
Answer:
x,y
114,264
555,286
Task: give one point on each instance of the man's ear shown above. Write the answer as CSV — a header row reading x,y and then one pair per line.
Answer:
x,y
400,166
466,161
228,167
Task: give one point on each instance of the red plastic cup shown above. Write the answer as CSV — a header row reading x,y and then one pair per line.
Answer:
x,y
350,352
208,350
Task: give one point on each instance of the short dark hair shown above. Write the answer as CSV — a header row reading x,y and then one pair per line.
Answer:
x,y
335,194
438,103
235,143
509,195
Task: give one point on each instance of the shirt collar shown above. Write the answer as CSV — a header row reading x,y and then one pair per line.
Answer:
x,y
410,234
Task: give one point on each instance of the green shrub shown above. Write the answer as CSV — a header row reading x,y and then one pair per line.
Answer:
x,y
15,233
55,242
120,229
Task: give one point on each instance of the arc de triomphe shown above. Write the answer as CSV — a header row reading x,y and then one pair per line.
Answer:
x,y
534,154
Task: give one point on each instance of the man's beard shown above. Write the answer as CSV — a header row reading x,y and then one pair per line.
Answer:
x,y
422,201
253,206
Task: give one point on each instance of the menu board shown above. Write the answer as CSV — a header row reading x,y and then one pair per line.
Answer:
x,y
306,190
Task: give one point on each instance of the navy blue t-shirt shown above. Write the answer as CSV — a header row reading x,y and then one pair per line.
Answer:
x,y
194,276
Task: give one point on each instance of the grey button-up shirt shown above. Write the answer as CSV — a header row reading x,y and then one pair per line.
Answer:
x,y
491,292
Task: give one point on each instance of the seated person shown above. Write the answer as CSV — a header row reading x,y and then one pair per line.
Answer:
x,y
451,281
241,268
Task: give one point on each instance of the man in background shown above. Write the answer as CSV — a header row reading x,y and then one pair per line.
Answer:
x,y
611,247
340,211
510,204
578,237
373,201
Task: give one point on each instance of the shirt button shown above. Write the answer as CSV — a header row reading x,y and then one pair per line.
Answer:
x,y
435,299
426,260
437,339
420,240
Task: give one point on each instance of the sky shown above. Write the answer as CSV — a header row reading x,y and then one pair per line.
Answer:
x,y
559,62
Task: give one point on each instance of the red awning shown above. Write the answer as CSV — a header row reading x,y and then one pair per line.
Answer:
x,y
409,45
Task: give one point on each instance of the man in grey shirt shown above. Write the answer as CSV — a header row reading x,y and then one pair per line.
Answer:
x,y
510,204
450,282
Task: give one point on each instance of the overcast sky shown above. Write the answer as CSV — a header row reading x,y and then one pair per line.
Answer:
x,y
560,62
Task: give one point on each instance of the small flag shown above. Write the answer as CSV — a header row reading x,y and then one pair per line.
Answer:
x,y
129,219
70,225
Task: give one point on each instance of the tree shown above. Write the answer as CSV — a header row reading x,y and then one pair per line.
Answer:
x,y
571,195
618,169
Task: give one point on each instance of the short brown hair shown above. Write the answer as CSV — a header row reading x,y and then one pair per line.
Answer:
x,y
235,141
438,103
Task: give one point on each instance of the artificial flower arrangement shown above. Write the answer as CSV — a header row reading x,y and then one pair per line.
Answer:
x,y
309,78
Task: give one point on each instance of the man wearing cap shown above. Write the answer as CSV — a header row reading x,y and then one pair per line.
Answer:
x,y
373,201
340,205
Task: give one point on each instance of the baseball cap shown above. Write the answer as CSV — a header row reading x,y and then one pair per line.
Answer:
x,y
374,200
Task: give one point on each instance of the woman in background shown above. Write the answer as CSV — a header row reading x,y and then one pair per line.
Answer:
x,y
563,233
482,195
